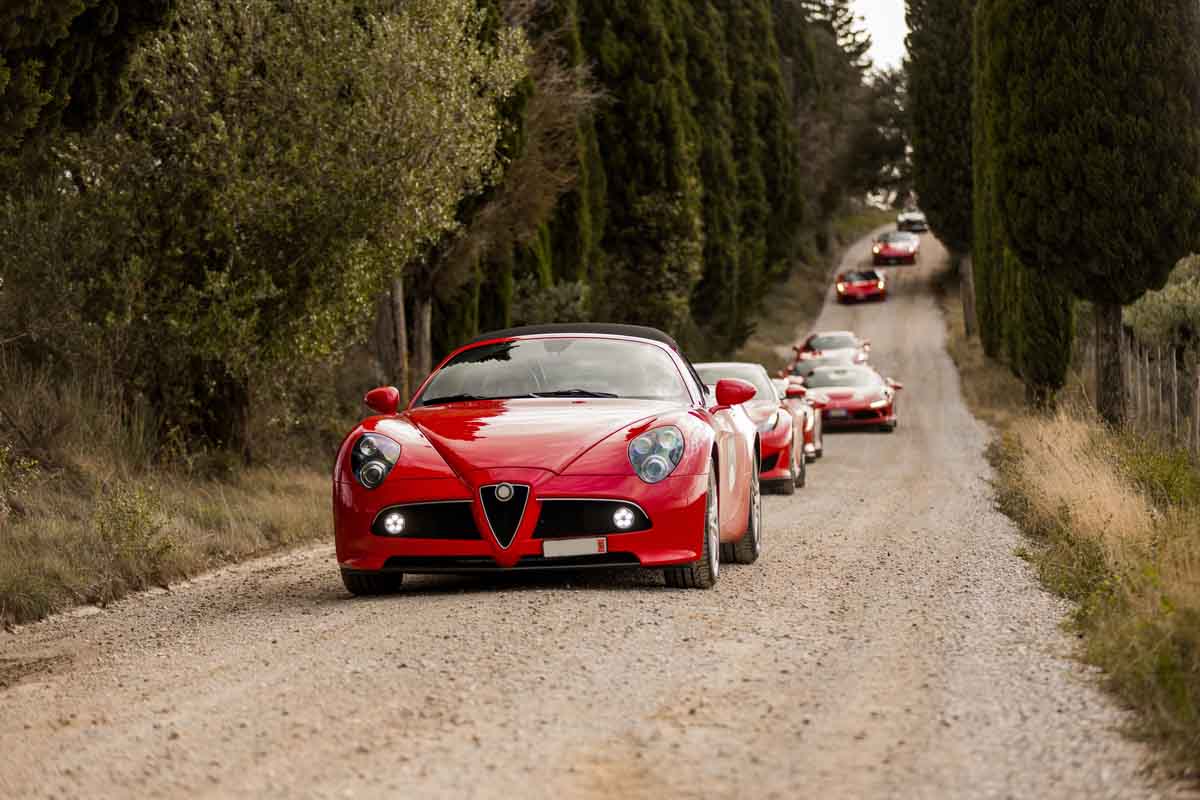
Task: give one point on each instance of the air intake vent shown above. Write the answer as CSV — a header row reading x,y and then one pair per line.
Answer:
x,y
504,506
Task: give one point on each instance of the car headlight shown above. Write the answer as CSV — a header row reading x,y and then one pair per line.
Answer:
x,y
880,403
372,459
769,423
655,454
841,287
880,284
876,249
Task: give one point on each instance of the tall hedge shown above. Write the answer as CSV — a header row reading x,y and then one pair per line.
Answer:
x,y
64,61
1095,127
1025,318
939,96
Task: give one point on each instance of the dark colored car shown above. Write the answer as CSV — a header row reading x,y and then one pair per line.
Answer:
x,y
912,220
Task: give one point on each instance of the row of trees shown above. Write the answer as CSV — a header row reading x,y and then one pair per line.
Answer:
x,y
214,202
1082,181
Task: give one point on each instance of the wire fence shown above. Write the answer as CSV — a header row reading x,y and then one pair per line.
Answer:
x,y
1162,385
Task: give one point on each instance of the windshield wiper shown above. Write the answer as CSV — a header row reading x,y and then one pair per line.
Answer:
x,y
574,393
467,398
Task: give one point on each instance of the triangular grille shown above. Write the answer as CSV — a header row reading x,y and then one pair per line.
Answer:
x,y
504,516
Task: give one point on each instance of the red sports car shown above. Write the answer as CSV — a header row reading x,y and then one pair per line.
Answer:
x,y
833,346
855,396
782,465
555,446
896,247
807,411
863,284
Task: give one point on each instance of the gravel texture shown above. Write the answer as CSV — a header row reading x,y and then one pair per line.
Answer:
x,y
889,644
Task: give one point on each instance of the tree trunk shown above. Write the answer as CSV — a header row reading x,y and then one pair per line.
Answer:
x,y
400,338
966,283
1110,391
422,338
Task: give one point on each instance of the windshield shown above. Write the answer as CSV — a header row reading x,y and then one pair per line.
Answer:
x,y
557,367
826,377
751,373
859,277
805,366
833,341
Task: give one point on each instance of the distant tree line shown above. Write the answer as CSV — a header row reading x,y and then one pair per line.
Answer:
x,y
213,203
1082,178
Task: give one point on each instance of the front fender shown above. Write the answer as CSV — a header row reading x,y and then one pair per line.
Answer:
x,y
610,456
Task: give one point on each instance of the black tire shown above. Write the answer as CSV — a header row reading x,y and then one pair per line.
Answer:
x,y
702,573
801,469
888,427
747,549
368,584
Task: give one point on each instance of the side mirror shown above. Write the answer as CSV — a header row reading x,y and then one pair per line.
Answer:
x,y
796,391
866,344
385,400
733,392
895,384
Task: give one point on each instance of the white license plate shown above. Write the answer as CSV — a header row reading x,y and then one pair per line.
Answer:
x,y
564,548
838,412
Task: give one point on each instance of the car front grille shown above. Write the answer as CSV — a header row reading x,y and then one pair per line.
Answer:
x,y
504,515
564,518
439,520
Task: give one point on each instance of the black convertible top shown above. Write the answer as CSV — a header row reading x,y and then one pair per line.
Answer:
x,y
600,328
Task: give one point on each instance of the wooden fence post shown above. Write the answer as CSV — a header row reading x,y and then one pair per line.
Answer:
x,y
1174,393
1134,382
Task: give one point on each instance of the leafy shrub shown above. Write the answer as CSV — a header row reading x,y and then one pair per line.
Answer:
x,y
15,473
130,530
1166,475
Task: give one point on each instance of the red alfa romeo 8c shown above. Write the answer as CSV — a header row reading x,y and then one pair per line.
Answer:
x,y
554,446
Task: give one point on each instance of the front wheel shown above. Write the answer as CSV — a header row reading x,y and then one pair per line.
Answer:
x,y
801,466
747,549
703,572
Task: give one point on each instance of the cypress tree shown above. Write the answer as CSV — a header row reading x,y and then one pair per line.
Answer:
x,y
987,248
653,235
1095,128
63,62
717,302
939,106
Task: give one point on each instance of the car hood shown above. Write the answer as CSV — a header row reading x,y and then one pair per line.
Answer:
x,y
835,394
546,434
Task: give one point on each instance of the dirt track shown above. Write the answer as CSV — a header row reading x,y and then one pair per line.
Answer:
x,y
890,644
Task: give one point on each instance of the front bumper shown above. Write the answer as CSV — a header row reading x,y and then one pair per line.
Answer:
x,y
857,416
855,295
674,506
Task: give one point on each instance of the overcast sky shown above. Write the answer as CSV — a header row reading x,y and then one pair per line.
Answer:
x,y
885,22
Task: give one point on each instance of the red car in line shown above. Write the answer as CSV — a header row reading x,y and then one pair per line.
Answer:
x,y
807,411
855,396
836,346
863,284
551,447
781,462
895,247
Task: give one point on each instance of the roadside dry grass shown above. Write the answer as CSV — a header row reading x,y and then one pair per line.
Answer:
x,y
1114,525
991,390
799,299
87,514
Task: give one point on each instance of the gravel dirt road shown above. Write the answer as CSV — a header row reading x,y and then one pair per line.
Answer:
x,y
889,644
